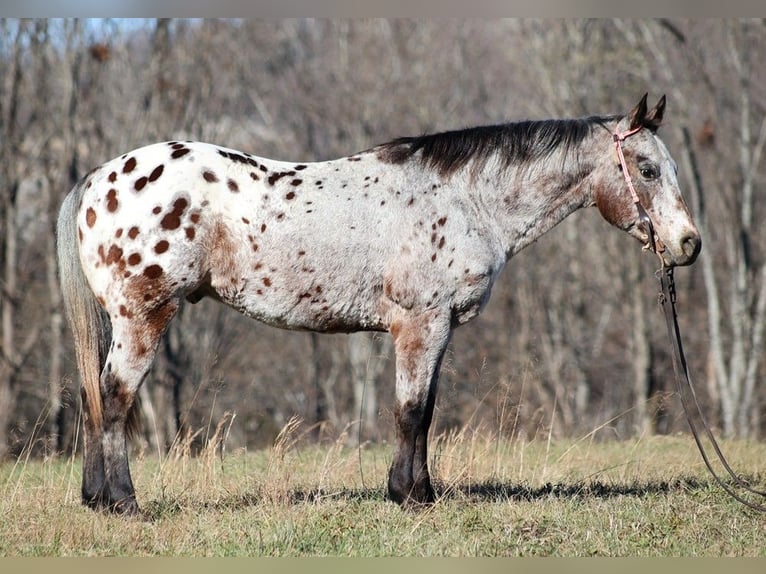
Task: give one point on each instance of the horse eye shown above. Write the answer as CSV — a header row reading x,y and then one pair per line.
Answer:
x,y
650,171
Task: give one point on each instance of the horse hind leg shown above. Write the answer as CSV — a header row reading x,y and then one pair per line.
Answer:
x,y
93,490
134,344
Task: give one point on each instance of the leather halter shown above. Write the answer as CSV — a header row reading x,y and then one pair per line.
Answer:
x,y
644,221
684,385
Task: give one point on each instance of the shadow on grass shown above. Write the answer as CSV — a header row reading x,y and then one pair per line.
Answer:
x,y
502,492
488,491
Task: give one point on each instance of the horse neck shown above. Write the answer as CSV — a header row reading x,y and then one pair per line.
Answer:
x,y
522,202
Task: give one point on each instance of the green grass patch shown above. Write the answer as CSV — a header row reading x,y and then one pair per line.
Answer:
x,y
648,497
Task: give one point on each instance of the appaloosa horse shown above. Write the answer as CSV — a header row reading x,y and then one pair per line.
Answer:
x,y
407,237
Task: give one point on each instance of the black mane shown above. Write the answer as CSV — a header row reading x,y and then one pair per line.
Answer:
x,y
513,143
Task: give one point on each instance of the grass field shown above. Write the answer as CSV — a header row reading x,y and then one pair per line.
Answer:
x,y
649,497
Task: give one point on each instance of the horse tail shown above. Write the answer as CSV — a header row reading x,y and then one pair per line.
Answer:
x,y
89,322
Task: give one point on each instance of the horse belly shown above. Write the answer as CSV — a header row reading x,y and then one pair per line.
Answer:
x,y
282,301
281,280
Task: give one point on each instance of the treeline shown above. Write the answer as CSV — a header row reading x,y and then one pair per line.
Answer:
x,y
571,342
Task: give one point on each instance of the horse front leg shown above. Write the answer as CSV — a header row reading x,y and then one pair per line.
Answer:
x,y
420,342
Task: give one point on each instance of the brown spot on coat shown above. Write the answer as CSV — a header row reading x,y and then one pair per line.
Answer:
x,y
290,195
180,152
153,271
232,185
618,212
133,232
90,217
190,232
209,176
156,320
129,166
275,177
114,256
409,343
113,177
161,246
140,183
111,200
156,172
134,259
172,220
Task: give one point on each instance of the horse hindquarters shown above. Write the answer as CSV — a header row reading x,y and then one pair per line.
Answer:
x,y
114,349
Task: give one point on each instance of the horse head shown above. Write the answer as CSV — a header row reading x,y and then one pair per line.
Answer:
x,y
639,191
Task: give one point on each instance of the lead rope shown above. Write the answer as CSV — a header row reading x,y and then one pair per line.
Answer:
x,y
668,301
683,381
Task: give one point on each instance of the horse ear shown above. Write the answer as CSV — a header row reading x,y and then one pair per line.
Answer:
x,y
637,114
654,117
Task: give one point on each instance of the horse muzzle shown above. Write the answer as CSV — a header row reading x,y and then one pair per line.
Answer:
x,y
683,251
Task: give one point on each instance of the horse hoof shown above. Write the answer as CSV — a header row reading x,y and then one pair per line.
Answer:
x,y
412,505
126,507
415,500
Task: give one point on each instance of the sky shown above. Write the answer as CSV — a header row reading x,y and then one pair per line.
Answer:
x,y
358,8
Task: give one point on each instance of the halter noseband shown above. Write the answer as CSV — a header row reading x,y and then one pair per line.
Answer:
x,y
644,221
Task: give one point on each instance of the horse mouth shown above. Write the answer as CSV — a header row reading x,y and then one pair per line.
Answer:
x,y
639,232
686,254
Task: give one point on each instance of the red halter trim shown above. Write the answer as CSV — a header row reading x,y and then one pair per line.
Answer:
x,y
644,221
619,137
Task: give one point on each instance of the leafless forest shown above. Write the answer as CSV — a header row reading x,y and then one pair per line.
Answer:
x,y
572,340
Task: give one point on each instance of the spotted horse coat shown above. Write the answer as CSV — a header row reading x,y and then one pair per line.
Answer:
x,y
407,237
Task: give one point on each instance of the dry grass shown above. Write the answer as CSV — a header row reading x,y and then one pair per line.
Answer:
x,y
497,498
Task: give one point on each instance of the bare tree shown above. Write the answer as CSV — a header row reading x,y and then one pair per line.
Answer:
x,y
570,338
11,174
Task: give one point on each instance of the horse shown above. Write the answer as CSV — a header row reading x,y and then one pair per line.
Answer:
x,y
406,237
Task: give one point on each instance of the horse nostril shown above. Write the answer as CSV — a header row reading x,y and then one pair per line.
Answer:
x,y
691,243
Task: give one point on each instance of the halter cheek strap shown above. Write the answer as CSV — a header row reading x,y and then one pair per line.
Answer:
x,y
644,221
